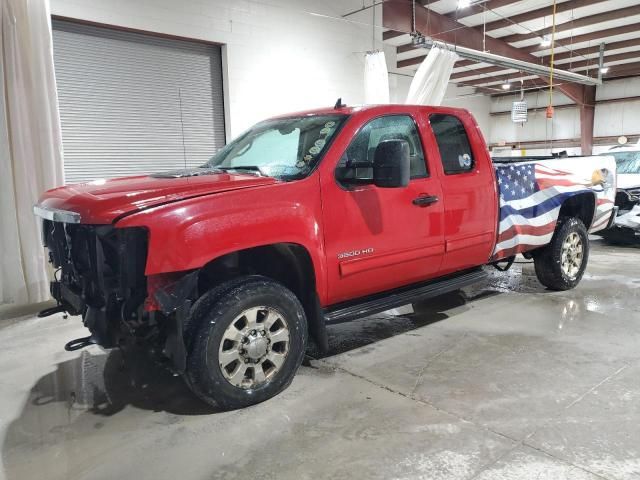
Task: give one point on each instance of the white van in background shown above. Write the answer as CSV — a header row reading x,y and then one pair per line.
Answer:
x,y
626,228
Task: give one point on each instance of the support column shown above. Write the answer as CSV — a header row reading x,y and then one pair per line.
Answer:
x,y
587,114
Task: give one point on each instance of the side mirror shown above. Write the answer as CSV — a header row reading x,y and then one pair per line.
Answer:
x,y
391,164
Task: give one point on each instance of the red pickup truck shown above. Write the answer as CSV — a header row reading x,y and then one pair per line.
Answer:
x,y
305,220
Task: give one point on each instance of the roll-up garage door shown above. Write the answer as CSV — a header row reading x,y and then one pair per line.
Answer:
x,y
132,103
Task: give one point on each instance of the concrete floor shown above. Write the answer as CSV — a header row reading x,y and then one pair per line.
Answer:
x,y
501,381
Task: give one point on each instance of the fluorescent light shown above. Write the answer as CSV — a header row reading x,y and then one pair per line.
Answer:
x,y
545,41
604,69
463,4
506,86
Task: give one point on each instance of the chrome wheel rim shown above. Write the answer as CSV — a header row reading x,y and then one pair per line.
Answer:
x,y
254,347
571,255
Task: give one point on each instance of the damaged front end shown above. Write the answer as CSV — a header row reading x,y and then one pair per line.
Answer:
x,y
100,274
626,224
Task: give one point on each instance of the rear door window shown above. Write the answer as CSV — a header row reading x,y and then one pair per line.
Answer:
x,y
453,143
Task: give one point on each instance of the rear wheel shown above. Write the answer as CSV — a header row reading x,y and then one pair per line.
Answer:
x,y
248,343
561,264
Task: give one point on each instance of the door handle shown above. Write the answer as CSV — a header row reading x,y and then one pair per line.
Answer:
x,y
425,200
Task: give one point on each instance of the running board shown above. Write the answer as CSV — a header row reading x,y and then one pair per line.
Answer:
x,y
395,298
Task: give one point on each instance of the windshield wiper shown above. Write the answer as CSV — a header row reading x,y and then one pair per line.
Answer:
x,y
249,168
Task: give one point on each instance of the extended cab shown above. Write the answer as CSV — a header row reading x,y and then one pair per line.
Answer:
x,y
306,220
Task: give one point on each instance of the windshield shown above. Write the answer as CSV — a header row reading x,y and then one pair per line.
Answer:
x,y
627,162
285,148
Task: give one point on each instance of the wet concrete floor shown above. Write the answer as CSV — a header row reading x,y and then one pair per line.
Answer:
x,y
504,380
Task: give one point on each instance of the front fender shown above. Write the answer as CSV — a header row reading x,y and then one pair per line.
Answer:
x,y
187,235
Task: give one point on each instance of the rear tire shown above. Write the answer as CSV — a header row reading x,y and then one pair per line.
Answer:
x,y
249,340
561,264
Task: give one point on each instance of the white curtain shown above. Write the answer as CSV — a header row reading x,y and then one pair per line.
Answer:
x,y
430,81
376,79
30,145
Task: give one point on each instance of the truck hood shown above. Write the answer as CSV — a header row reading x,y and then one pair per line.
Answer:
x,y
103,201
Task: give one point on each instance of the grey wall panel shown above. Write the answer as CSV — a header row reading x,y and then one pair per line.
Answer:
x,y
119,95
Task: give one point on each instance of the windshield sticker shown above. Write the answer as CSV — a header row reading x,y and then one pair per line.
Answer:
x,y
307,158
325,131
314,150
329,124
301,164
319,143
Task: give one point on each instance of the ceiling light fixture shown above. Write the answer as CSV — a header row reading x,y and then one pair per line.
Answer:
x,y
506,85
463,4
604,69
545,41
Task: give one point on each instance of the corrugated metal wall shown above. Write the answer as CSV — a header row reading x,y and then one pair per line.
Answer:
x,y
120,106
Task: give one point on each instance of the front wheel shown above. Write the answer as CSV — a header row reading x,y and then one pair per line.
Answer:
x,y
248,343
561,264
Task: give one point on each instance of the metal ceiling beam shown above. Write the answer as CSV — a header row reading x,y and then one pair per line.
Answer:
x,y
475,8
574,65
411,61
475,71
512,63
417,60
532,83
630,70
575,54
591,50
587,37
559,55
389,34
623,70
514,78
593,62
523,17
397,16
576,23
539,13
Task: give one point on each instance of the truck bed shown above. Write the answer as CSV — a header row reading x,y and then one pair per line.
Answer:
x,y
532,191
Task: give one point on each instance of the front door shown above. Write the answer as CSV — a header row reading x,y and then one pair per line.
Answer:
x,y
378,239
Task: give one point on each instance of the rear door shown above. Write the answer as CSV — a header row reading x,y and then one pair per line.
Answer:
x,y
378,239
468,190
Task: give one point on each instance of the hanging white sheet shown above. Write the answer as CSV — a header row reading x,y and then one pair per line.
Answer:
x,y
376,79
30,145
430,81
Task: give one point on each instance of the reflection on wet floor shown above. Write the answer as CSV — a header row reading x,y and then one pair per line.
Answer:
x,y
104,383
92,392
79,397
77,400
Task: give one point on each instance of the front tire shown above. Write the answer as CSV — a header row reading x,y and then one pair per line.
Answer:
x,y
561,264
248,345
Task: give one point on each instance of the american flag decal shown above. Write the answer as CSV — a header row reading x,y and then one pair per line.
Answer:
x,y
531,195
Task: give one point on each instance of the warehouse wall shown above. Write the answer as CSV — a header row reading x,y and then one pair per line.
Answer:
x,y
281,55
611,119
